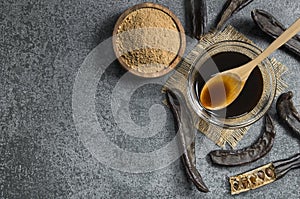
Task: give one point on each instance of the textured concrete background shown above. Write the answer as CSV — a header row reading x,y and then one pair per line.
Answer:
x,y
42,45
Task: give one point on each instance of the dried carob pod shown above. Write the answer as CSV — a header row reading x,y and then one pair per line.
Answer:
x,y
199,17
263,175
288,113
249,154
270,25
231,7
283,166
186,132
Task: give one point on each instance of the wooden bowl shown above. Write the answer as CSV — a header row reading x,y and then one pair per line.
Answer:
x,y
179,27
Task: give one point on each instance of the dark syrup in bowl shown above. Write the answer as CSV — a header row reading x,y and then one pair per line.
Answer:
x,y
251,93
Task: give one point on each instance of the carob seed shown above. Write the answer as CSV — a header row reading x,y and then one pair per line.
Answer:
x,y
270,173
261,175
253,179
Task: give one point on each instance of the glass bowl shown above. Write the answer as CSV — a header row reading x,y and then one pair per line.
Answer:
x,y
257,95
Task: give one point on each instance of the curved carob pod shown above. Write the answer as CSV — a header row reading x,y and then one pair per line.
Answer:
x,y
230,8
249,154
186,132
288,113
271,26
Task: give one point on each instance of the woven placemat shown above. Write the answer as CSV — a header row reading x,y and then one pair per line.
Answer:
x,y
178,80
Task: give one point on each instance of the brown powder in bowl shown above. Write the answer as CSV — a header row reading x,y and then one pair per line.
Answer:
x,y
148,40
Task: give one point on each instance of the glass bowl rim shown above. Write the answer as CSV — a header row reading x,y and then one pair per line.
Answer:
x,y
222,122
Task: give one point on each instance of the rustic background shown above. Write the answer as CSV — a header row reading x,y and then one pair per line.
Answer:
x,y
43,44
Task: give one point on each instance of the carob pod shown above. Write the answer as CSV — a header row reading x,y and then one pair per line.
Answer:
x,y
186,131
288,113
249,154
231,7
263,175
284,166
270,25
199,13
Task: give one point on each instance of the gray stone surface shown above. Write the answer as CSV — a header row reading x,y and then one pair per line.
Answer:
x,y
42,46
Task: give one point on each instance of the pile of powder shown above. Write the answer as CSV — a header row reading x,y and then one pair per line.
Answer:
x,y
148,40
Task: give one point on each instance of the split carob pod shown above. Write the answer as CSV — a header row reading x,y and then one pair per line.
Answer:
x,y
287,112
186,132
249,154
230,8
263,175
271,26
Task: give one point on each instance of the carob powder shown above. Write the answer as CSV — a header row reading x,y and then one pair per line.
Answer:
x,y
148,40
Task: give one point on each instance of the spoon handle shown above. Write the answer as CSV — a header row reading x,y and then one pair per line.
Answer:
x,y
282,39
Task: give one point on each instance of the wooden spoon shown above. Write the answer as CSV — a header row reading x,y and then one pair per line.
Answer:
x,y
223,88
